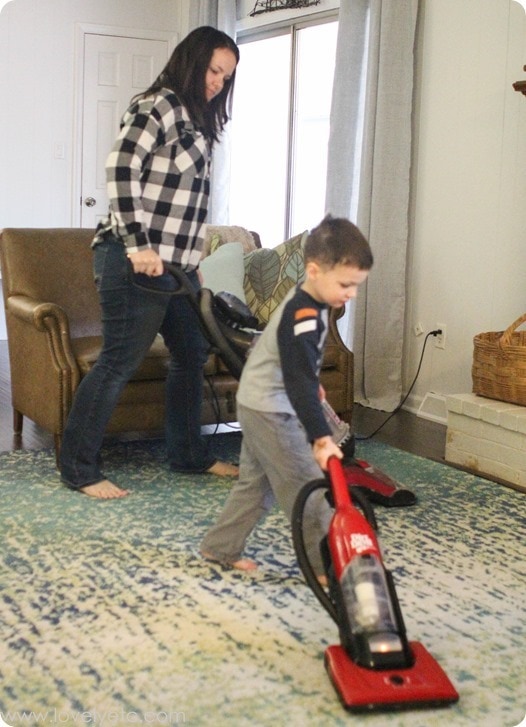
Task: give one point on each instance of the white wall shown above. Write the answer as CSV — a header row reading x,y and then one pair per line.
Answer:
x,y
37,77
468,250
467,264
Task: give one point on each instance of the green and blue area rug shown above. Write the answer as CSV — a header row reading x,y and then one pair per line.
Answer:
x,y
109,616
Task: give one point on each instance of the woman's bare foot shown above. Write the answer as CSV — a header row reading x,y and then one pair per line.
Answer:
x,y
242,564
104,490
223,469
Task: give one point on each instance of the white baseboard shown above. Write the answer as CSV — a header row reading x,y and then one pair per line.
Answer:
x,y
432,406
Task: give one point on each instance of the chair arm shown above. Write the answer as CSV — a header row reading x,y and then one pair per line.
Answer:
x,y
51,319
341,356
35,311
338,374
334,315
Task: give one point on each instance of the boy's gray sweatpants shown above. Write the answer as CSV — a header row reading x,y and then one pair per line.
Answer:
x,y
276,462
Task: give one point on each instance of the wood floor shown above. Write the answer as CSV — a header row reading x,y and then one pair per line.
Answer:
x,y
404,430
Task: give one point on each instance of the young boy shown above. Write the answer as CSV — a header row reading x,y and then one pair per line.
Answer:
x,y
286,439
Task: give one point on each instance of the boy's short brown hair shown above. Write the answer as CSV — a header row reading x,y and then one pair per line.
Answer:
x,y
337,241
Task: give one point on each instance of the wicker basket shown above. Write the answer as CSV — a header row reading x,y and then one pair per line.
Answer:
x,y
499,364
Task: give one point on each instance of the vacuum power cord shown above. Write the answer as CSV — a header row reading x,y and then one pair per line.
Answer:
x,y
435,333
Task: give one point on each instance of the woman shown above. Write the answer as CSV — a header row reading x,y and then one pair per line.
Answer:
x,y
158,186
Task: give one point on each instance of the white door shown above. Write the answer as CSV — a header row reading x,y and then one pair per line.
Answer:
x,y
115,69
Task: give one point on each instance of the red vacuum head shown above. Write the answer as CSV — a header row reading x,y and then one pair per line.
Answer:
x,y
375,667
424,684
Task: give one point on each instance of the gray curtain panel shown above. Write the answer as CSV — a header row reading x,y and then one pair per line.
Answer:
x,y
369,178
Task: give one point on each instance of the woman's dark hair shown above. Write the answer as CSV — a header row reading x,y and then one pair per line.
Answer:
x,y
185,75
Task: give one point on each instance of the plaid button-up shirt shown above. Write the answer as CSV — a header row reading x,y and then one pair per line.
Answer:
x,y
158,181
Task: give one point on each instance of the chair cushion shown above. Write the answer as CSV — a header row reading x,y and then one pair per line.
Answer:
x,y
154,366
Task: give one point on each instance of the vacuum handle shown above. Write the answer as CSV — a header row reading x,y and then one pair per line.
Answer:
x,y
346,496
340,489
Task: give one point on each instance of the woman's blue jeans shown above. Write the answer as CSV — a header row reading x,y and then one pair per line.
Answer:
x,y
131,318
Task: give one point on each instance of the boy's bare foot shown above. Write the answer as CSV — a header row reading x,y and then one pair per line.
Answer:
x,y
242,564
322,580
104,490
223,469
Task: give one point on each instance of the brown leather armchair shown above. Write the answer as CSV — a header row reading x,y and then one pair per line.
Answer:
x,y
54,338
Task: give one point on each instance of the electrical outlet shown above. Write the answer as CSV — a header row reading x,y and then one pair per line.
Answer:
x,y
418,329
440,339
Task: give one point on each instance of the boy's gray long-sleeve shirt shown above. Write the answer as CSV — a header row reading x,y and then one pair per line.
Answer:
x,y
282,371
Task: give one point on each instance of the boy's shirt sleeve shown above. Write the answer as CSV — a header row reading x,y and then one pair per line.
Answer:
x,y
300,342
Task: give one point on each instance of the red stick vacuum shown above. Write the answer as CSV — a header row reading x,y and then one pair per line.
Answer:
x,y
375,667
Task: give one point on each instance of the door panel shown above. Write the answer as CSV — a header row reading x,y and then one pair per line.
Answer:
x,y
115,69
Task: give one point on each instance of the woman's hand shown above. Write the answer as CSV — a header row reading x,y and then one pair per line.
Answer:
x,y
324,448
147,262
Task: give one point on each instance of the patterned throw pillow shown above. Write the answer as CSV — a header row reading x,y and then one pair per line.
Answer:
x,y
270,273
217,235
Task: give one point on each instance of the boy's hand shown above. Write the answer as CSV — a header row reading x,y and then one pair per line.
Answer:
x,y
323,448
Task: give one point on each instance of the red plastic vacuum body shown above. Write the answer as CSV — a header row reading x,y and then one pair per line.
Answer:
x,y
376,484
375,667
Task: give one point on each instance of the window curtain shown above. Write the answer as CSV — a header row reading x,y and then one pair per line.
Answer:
x,y
219,14
368,179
